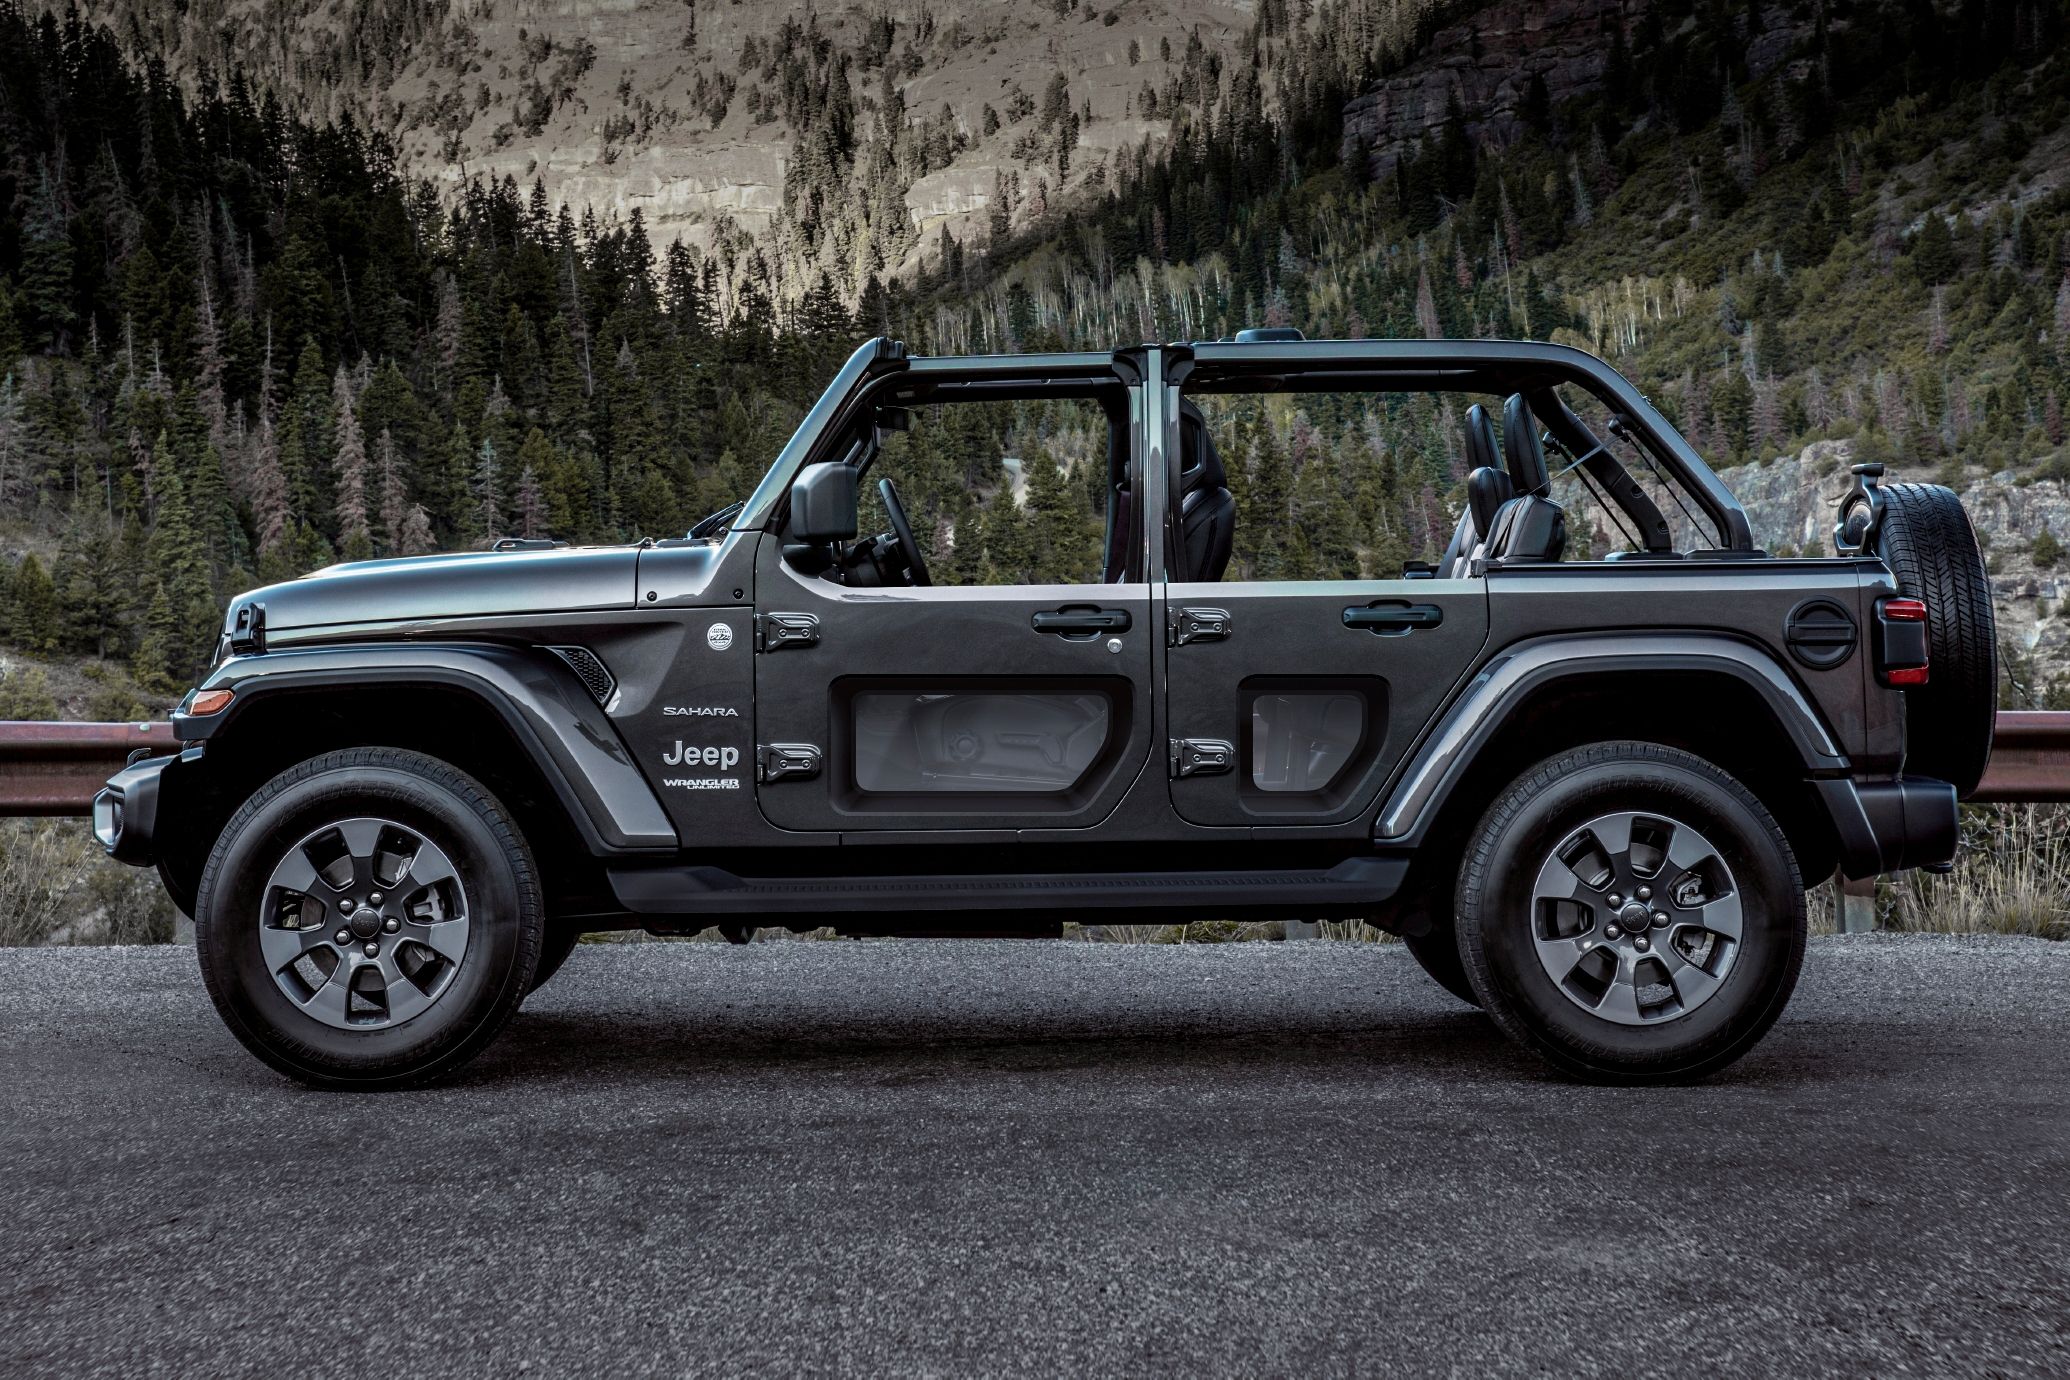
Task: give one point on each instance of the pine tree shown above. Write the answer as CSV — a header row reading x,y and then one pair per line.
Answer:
x,y
394,500
355,539
484,489
32,601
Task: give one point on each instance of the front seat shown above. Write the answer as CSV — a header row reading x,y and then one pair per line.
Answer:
x,y
1530,527
1487,489
1207,513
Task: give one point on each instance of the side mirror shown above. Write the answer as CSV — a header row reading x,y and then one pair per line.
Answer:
x,y
823,504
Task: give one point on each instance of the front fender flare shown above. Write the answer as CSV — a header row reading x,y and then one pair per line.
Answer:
x,y
549,713
1515,673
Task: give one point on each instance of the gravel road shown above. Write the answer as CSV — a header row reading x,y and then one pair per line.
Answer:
x,y
963,1158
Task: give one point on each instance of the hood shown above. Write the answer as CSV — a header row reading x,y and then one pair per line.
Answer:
x,y
465,584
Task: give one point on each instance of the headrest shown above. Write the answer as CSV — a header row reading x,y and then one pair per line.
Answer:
x,y
1200,465
1487,489
1524,449
1480,440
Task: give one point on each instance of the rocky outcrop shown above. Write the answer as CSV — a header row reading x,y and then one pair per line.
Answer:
x,y
1791,501
1487,60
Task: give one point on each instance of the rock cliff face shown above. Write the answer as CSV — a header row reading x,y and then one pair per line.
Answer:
x,y
1486,62
1791,501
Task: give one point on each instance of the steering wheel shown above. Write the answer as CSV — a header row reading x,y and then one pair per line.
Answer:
x,y
916,564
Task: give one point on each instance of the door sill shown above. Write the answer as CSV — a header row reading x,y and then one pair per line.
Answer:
x,y
1355,886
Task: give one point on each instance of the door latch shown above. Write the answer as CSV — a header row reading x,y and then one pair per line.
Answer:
x,y
1201,757
1186,625
783,761
775,631
1394,619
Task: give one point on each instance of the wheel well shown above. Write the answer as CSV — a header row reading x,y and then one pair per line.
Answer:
x,y
1713,715
279,729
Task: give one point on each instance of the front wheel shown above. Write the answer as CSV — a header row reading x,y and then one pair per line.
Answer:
x,y
1631,913
370,918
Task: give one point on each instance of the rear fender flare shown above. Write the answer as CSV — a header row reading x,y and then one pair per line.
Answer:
x,y
551,716
1516,673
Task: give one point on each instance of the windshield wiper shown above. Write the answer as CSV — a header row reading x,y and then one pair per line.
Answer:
x,y
715,523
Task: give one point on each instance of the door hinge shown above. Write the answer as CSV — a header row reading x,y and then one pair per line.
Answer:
x,y
783,761
1201,757
1186,625
776,631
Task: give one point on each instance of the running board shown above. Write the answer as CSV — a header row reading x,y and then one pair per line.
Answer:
x,y
1353,887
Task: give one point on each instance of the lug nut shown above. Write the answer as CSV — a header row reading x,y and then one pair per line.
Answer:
x,y
391,924
1660,919
346,905
1615,899
1612,932
1640,943
1645,893
374,898
372,950
344,936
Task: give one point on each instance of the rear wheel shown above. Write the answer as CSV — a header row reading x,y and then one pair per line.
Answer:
x,y
370,918
1631,913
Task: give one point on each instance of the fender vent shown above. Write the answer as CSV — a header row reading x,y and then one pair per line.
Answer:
x,y
590,671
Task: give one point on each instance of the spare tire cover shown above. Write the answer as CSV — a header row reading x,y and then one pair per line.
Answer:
x,y
1926,539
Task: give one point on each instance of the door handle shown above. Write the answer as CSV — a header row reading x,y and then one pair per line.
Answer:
x,y
1081,621
1394,620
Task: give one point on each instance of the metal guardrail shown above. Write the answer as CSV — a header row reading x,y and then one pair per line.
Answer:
x,y
55,768
2030,758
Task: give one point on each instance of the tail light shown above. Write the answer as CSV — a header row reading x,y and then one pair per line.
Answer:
x,y
1901,657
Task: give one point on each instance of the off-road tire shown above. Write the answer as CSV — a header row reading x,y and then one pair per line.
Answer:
x,y
489,858
554,949
1437,953
1927,541
1499,945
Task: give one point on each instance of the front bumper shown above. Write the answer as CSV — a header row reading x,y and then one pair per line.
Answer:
x,y
126,812
1890,826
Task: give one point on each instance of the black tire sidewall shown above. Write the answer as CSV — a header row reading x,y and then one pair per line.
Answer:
x,y
1495,909
493,868
1926,538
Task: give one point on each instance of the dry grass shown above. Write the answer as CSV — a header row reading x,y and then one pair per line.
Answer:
x,y
2013,878
57,887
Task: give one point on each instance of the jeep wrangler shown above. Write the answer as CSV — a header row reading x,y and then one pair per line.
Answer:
x,y
1588,787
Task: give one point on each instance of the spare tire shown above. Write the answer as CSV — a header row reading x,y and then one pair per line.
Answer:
x,y
1926,539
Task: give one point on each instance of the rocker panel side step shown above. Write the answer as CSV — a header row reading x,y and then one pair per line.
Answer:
x,y
1353,884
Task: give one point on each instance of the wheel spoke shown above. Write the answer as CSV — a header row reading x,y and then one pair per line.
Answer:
x,y
1560,955
1687,848
446,938
1614,834
405,998
334,999
1559,882
296,873
283,947
1692,984
1621,1001
428,865
1721,917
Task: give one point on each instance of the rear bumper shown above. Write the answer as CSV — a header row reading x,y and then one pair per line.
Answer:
x,y
1890,826
126,812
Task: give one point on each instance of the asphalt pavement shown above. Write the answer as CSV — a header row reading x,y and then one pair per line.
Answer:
x,y
961,1158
